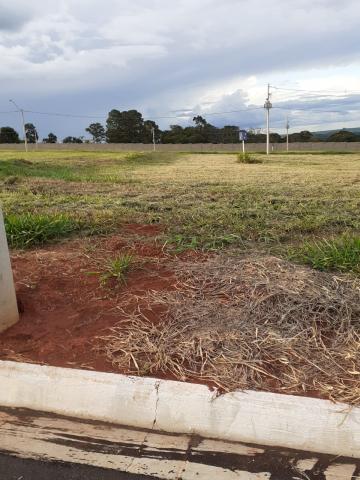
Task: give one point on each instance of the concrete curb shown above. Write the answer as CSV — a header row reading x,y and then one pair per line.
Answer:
x,y
253,417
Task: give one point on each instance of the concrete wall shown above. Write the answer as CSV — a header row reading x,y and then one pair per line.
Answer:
x,y
198,147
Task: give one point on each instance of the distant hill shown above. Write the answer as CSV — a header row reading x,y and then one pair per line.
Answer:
x,y
324,134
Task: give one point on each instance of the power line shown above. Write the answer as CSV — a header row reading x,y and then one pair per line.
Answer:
x,y
72,115
295,109
202,114
56,114
339,93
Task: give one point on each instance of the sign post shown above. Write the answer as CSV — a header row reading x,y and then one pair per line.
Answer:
x,y
9,314
243,138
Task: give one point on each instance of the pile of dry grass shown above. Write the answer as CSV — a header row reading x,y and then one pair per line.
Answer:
x,y
255,323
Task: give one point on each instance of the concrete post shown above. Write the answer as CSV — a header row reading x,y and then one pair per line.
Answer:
x,y
8,305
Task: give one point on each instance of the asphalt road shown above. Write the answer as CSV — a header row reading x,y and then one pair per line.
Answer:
x,y
14,468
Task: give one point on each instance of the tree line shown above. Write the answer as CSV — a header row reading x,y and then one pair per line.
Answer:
x,y
130,127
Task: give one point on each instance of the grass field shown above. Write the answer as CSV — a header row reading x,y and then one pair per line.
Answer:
x,y
289,204
227,310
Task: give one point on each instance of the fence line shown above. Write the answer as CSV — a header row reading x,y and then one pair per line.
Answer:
x,y
194,147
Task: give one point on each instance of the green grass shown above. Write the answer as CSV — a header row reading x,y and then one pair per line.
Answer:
x,y
27,229
202,200
117,269
247,158
341,254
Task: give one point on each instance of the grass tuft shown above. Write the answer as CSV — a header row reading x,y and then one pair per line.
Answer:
x,y
247,158
29,229
337,254
117,269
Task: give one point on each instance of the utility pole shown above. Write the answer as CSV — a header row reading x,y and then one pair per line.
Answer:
x,y
267,107
153,138
287,133
23,122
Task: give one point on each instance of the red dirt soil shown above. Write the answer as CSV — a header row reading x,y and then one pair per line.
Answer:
x,y
64,308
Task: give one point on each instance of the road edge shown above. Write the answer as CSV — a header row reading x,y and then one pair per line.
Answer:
x,y
262,418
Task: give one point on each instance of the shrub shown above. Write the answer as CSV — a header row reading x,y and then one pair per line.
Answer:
x,y
247,158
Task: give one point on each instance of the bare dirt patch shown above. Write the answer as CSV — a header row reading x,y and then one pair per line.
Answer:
x,y
64,307
227,320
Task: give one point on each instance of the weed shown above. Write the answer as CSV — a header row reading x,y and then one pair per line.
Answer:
x,y
183,243
247,158
117,269
30,229
337,254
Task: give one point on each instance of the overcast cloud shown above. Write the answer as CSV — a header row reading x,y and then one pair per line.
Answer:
x,y
86,57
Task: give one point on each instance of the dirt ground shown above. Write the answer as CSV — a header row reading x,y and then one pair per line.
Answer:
x,y
228,320
64,307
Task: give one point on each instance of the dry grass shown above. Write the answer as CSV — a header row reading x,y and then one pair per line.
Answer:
x,y
203,201
254,323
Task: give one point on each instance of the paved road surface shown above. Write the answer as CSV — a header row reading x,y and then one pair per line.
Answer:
x,y
39,446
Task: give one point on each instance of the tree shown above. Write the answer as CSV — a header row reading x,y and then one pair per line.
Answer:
x,y
199,121
304,136
51,138
97,131
72,140
113,126
343,136
31,133
275,138
124,127
9,135
149,127
256,136
203,132
174,135
229,134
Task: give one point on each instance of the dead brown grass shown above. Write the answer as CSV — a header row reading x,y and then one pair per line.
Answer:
x,y
255,323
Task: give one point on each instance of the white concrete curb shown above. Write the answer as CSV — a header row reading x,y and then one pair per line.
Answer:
x,y
255,417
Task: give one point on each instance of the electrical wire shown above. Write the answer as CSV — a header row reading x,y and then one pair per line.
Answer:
x,y
311,110
203,114
71,115
317,92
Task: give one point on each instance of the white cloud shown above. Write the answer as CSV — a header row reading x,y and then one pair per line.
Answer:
x,y
168,55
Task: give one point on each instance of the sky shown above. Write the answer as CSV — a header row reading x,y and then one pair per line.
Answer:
x,y
172,60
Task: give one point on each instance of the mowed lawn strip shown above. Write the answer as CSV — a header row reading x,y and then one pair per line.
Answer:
x,y
203,200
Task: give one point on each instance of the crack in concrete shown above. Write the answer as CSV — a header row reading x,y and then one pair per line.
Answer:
x,y
157,386
143,443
